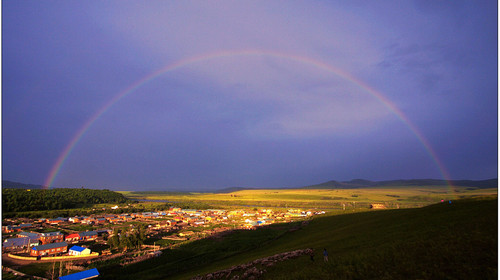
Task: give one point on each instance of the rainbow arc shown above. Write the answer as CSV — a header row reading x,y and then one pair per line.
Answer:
x,y
56,168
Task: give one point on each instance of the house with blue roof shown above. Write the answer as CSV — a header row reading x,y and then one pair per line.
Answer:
x,y
79,251
82,275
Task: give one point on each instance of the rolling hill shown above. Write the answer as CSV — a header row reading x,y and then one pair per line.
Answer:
x,y
360,183
441,241
333,184
16,185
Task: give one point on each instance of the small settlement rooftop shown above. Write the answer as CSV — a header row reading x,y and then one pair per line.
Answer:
x,y
49,249
82,275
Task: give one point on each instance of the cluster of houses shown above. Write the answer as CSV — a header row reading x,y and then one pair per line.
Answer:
x,y
177,216
52,243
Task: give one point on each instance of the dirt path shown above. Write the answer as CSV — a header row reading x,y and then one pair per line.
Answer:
x,y
16,263
13,263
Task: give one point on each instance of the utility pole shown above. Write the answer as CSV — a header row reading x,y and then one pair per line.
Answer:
x,y
53,269
27,247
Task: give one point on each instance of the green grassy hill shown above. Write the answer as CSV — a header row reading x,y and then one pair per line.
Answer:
x,y
442,241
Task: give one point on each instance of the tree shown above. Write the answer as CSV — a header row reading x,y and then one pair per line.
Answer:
x,y
141,235
125,240
114,241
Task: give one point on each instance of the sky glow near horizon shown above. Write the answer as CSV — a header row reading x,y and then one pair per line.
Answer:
x,y
247,120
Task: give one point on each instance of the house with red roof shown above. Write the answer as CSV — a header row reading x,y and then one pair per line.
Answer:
x,y
72,238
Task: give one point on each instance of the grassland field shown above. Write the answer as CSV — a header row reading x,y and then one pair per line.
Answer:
x,y
440,241
394,197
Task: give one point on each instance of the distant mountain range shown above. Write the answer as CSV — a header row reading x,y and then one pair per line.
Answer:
x,y
353,184
16,185
360,183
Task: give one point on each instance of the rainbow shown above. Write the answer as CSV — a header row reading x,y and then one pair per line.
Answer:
x,y
234,53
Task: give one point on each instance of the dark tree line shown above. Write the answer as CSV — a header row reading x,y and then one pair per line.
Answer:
x,y
18,200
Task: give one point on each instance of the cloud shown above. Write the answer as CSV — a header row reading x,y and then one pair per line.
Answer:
x,y
276,97
283,97
183,29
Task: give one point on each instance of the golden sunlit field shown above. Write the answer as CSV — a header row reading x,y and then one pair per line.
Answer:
x,y
394,197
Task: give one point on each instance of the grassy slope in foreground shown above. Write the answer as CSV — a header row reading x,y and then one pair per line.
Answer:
x,y
442,241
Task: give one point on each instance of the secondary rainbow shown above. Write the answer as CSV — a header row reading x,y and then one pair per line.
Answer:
x,y
233,53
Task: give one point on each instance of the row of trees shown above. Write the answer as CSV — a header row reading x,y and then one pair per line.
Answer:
x,y
133,207
18,200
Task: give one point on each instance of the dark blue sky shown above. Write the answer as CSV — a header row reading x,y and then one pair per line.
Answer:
x,y
301,94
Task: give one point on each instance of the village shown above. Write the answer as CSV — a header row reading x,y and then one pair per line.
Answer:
x,y
62,238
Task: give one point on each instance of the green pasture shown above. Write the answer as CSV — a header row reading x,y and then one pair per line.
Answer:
x,y
440,241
